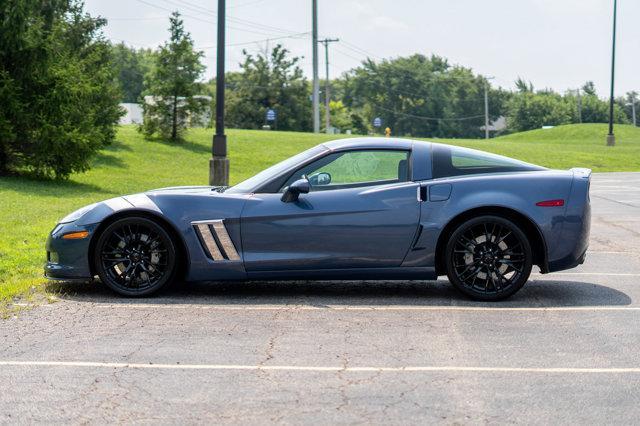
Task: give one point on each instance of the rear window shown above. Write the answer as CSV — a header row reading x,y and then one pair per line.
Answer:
x,y
454,161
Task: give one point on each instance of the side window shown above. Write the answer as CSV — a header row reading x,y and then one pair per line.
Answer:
x,y
355,168
450,161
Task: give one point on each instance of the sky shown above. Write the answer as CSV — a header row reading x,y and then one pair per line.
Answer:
x,y
557,44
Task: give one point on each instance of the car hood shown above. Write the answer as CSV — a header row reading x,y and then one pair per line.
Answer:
x,y
184,190
176,201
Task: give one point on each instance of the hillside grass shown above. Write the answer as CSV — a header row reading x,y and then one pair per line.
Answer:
x,y
30,208
564,147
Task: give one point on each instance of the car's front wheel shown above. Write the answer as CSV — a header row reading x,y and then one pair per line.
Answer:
x,y
135,256
488,258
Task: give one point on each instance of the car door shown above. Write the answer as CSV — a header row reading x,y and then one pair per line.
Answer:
x,y
362,211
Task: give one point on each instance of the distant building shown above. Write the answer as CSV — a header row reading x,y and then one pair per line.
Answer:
x,y
133,114
200,120
497,126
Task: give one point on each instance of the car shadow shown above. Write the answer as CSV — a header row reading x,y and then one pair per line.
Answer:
x,y
535,294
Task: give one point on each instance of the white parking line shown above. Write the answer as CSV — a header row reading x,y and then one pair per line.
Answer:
x,y
614,189
595,274
612,252
409,369
291,307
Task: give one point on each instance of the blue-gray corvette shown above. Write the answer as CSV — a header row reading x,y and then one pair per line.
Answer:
x,y
366,208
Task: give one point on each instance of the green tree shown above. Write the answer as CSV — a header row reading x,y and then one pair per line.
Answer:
x,y
131,66
529,111
59,101
596,110
625,103
269,81
173,85
589,88
420,96
524,86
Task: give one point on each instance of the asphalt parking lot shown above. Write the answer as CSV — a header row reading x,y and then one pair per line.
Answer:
x,y
566,349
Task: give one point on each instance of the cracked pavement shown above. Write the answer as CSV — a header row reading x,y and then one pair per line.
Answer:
x,y
346,352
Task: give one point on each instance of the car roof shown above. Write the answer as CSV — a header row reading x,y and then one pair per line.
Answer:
x,y
374,143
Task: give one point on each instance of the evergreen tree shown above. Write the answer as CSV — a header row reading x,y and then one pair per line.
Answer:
x,y
173,85
269,81
59,101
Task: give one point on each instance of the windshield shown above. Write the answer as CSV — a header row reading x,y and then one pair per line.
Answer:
x,y
255,182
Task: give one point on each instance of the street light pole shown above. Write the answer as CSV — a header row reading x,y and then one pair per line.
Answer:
x,y
611,139
633,108
219,164
327,93
316,81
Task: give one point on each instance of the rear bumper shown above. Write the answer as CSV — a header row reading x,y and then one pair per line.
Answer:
x,y
568,262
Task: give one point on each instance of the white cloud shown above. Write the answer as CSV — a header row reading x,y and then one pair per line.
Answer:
x,y
372,17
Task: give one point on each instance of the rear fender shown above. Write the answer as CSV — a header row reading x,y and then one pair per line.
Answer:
x,y
518,193
572,244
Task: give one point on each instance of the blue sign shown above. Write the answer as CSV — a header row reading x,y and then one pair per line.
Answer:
x,y
377,122
271,115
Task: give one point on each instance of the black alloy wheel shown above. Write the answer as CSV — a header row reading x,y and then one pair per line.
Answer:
x,y
135,256
488,258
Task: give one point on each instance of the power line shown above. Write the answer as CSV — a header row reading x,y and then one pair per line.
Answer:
x,y
359,50
348,55
151,18
203,20
131,43
249,3
422,117
199,9
295,36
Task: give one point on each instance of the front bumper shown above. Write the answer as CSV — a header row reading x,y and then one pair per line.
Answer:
x,y
68,260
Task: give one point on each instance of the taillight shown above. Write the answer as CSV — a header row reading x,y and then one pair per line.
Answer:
x,y
550,203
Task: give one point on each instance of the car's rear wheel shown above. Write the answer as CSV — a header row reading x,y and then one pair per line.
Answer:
x,y
488,258
135,256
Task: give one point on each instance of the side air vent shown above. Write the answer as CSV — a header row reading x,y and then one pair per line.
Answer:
x,y
215,240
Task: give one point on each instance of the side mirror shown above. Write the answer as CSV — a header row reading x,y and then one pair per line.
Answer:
x,y
293,191
320,179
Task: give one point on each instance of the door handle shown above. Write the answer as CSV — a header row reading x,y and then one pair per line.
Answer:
x,y
422,193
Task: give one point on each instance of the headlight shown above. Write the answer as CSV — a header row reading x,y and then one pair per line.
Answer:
x,y
77,214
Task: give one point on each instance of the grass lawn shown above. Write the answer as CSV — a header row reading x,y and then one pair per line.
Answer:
x,y
30,208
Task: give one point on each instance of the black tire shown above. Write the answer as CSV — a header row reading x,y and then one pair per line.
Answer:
x,y
488,258
135,256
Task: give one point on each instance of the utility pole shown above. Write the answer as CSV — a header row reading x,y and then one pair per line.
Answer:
x,y
327,93
579,96
486,110
611,138
316,81
633,107
219,164
486,107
